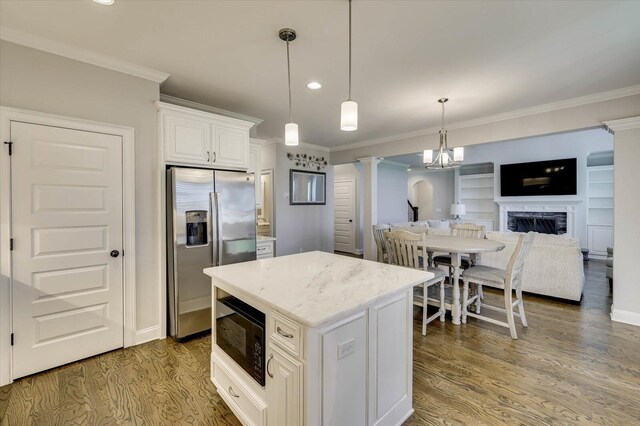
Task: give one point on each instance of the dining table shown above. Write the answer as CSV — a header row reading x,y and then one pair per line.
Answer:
x,y
456,247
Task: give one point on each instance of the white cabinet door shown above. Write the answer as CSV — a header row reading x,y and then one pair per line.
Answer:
x,y
186,139
600,237
255,166
284,389
230,147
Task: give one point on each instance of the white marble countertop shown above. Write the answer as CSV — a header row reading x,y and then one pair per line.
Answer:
x,y
316,288
262,238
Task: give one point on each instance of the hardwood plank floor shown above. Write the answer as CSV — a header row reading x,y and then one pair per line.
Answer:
x,y
571,366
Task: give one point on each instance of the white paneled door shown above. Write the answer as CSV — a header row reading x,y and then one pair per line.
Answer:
x,y
344,213
67,222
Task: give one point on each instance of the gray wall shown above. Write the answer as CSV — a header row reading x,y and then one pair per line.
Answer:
x,y
565,145
38,81
392,193
300,228
443,183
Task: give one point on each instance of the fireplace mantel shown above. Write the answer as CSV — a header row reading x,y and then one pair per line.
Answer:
x,y
568,207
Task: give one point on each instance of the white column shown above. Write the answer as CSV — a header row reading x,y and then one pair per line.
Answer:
x,y
626,232
370,204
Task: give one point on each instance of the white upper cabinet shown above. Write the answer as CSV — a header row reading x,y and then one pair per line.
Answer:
x,y
231,147
194,137
186,140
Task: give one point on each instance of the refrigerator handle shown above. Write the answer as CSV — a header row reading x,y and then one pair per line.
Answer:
x,y
217,239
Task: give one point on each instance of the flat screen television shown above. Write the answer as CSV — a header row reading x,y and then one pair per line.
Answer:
x,y
553,177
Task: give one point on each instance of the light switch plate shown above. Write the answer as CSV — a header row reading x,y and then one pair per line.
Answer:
x,y
346,348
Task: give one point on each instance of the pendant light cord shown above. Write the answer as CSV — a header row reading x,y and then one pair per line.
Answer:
x,y
289,81
349,50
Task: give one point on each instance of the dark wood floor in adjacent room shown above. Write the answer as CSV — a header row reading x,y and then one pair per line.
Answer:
x,y
571,366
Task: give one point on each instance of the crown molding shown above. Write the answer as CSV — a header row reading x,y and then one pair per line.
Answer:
x,y
623,124
370,160
301,145
395,163
207,108
82,55
519,113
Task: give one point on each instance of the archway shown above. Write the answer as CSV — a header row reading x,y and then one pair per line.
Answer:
x,y
422,193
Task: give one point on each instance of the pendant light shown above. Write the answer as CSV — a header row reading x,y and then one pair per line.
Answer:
x,y
291,128
349,108
443,158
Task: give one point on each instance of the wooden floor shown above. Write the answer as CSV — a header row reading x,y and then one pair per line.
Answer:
x,y
571,366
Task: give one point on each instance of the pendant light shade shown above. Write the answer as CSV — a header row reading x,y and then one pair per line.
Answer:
x,y
291,134
427,156
458,154
349,109
291,128
349,116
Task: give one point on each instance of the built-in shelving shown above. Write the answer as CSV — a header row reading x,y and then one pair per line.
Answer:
x,y
476,192
599,209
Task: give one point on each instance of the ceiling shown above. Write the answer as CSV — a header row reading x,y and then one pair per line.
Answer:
x,y
487,57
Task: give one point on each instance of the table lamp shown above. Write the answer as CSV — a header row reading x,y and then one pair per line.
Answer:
x,y
457,210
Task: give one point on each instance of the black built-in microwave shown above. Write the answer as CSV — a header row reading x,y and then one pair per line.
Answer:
x,y
240,332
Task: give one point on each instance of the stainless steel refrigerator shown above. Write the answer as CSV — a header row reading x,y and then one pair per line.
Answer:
x,y
211,221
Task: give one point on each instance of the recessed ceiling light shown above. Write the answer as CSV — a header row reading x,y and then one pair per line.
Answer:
x,y
104,2
314,85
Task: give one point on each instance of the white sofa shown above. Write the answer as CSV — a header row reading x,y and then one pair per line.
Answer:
x,y
553,268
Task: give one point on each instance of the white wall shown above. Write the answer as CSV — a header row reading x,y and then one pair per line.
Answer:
x,y
626,280
300,228
38,81
443,183
565,145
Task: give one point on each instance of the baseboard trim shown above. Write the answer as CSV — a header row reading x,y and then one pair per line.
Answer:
x,y
626,317
147,334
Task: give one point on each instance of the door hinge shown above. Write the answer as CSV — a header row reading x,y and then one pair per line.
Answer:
x,y
10,244
11,339
10,146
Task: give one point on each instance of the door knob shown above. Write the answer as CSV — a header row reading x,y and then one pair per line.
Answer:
x,y
350,220
114,253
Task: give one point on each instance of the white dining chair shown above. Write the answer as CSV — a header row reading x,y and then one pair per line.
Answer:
x,y
509,280
378,236
409,250
463,230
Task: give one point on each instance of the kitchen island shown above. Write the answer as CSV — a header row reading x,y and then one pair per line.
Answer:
x,y
337,346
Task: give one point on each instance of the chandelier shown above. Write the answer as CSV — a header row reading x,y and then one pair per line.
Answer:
x,y
443,158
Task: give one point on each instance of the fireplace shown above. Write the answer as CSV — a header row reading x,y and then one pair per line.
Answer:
x,y
563,210
542,222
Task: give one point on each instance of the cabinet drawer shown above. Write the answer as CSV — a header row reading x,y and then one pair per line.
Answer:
x,y
250,410
264,249
286,333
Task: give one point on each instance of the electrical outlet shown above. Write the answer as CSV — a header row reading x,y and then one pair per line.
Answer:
x,y
346,348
